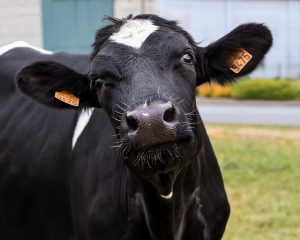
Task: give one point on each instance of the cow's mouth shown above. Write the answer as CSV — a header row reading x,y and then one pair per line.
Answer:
x,y
164,183
159,164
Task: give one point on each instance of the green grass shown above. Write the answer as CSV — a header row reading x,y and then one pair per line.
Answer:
x,y
261,171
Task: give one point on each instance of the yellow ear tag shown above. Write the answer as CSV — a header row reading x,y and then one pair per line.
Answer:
x,y
67,98
239,60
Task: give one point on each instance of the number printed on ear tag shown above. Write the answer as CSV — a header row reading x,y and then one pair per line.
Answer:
x,y
67,98
239,60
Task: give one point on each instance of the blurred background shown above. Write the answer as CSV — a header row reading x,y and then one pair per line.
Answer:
x,y
254,126
69,25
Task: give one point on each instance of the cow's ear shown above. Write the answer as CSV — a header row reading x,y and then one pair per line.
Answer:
x,y
56,85
234,55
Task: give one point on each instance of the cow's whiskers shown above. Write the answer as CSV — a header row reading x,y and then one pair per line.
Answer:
x,y
153,157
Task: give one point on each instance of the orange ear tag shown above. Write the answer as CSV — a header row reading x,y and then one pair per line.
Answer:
x,y
67,98
239,60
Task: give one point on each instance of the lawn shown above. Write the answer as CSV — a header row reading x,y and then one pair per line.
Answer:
x,y
261,171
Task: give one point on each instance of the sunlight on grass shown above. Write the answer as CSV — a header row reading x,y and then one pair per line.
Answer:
x,y
261,171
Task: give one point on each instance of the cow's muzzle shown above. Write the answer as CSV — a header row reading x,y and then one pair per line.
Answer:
x,y
152,124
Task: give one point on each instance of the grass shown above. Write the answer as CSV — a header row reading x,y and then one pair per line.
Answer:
x,y
261,171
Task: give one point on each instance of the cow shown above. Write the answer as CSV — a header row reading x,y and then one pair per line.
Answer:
x,y
111,145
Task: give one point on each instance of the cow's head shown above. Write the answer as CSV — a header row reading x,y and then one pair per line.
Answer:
x,y
143,73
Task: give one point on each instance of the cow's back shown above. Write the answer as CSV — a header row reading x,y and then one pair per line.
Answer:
x,y
35,144
12,61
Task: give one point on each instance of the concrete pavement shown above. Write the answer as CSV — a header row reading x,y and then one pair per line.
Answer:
x,y
286,113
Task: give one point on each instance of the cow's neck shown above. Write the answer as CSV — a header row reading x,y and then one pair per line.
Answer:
x,y
166,219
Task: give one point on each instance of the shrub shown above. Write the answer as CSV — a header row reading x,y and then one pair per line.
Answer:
x,y
221,91
266,89
214,90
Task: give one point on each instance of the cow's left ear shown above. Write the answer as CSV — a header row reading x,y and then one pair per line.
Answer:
x,y
236,54
56,85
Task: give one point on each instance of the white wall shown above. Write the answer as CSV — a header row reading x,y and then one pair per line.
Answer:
x,y
122,8
206,20
209,20
20,20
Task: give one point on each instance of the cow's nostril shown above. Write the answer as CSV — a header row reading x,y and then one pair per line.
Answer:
x,y
132,123
169,114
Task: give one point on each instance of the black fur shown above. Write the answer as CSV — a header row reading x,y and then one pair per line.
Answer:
x,y
98,190
43,79
254,38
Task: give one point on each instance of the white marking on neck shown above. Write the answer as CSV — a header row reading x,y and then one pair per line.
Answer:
x,y
17,44
82,121
169,196
133,33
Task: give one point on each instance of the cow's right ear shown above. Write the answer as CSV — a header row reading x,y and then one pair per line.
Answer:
x,y
56,85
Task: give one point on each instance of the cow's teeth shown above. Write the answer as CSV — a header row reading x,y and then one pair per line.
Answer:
x,y
169,196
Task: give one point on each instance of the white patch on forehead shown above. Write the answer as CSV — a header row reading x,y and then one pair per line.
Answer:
x,y
82,121
18,44
133,33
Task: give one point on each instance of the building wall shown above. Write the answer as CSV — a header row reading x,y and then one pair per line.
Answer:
x,y
209,20
20,20
122,8
70,25
205,20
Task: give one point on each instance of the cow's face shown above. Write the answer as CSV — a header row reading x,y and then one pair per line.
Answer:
x,y
145,77
143,73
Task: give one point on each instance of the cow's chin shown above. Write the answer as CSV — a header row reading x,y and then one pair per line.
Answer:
x,y
160,165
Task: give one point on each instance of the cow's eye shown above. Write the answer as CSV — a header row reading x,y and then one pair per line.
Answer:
x,y
97,84
187,58
100,84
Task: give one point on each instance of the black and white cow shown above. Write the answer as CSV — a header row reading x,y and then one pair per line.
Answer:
x,y
130,157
